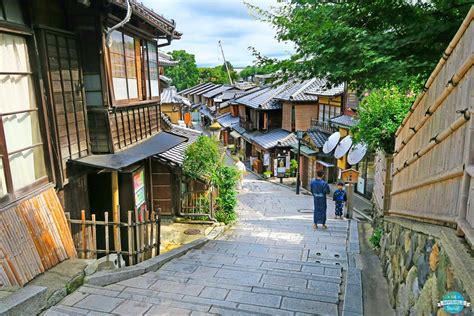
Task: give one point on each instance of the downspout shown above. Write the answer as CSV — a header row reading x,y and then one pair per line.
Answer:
x,y
108,40
169,38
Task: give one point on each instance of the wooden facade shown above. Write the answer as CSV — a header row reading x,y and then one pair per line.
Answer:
x,y
74,109
434,152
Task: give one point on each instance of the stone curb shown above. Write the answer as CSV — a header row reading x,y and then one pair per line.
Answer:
x,y
25,301
353,304
103,278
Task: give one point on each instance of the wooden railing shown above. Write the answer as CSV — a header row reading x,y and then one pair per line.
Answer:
x,y
199,204
322,126
142,231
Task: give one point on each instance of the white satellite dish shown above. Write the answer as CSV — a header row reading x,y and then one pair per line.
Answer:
x,y
331,143
356,153
343,147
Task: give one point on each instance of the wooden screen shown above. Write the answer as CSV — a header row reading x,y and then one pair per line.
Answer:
x,y
66,98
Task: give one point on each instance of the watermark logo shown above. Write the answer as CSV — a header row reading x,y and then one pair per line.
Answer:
x,y
453,302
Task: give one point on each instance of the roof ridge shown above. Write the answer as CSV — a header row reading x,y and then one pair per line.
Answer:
x,y
310,82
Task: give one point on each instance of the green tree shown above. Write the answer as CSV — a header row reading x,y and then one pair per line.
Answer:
x,y
364,42
380,114
217,74
255,70
201,159
185,74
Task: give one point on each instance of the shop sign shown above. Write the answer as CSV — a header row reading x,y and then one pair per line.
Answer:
x,y
361,185
281,166
139,187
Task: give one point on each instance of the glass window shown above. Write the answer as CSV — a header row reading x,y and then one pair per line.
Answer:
x,y
134,66
19,116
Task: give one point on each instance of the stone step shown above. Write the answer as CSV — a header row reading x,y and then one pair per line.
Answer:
x,y
328,296
227,258
186,265
325,259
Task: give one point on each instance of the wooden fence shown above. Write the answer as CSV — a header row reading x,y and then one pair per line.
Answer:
x,y
434,150
200,203
141,233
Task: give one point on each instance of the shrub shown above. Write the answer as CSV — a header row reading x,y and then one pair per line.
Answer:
x,y
225,179
201,159
376,237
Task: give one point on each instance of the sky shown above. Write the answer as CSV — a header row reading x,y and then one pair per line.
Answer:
x,y
205,22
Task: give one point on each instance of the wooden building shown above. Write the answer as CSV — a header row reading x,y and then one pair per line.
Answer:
x,y
433,166
84,113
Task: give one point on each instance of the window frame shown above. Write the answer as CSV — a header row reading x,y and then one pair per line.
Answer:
x,y
12,195
142,69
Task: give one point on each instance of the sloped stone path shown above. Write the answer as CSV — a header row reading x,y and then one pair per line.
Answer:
x,y
271,262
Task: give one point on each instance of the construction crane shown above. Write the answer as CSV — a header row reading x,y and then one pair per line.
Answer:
x,y
225,63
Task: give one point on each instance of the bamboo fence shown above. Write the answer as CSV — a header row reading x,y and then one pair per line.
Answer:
x,y
142,231
34,237
434,147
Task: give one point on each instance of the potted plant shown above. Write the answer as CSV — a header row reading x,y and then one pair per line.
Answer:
x,y
267,174
293,167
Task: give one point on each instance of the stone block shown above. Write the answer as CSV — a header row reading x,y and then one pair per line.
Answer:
x,y
324,286
268,300
132,308
28,300
214,293
168,311
240,275
264,310
288,281
99,303
307,306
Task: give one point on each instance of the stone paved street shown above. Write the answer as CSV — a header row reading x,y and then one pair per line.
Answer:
x,y
271,262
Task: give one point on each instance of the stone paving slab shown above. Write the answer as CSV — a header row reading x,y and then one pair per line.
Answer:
x,y
264,265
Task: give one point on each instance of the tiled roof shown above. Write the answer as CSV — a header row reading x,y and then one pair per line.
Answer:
x,y
298,91
264,98
343,120
175,155
207,112
166,60
190,89
273,138
165,79
166,120
206,89
154,19
318,137
290,140
323,90
216,91
227,120
170,95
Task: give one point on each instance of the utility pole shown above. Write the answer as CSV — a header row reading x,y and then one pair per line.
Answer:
x,y
225,63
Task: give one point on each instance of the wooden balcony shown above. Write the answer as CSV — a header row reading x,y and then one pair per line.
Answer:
x,y
323,126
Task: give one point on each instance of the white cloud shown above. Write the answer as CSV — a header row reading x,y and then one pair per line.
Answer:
x,y
205,22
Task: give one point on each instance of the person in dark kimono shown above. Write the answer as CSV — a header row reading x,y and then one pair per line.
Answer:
x,y
319,189
339,197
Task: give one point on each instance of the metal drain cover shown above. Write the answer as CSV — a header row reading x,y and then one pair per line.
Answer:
x,y
305,210
192,231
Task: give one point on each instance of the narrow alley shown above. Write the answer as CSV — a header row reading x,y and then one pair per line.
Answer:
x,y
271,262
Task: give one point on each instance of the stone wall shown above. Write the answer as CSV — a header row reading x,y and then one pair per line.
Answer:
x,y
422,262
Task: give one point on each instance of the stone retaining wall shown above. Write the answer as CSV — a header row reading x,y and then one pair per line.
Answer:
x,y
417,260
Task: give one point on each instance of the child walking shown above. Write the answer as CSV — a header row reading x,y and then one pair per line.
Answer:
x,y
340,197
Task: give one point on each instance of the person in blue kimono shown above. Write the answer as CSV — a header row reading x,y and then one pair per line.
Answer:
x,y
319,189
339,197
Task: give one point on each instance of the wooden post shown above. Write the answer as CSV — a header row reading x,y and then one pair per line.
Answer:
x,y
106,221
152,234
94,238
83,234
158,231
68,218
350,195
137,235
115,209
130,239
147,234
